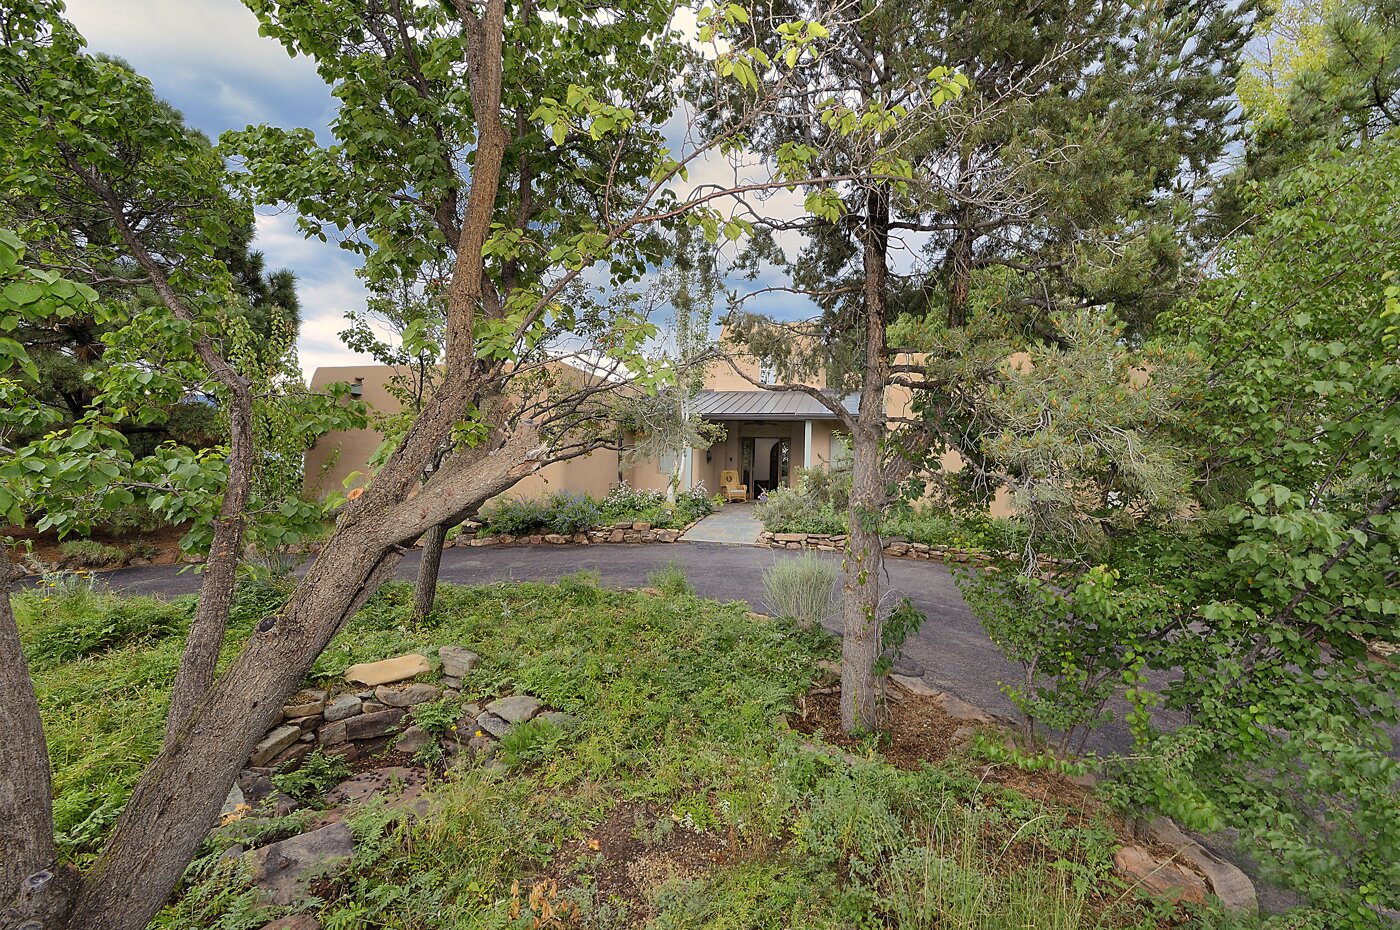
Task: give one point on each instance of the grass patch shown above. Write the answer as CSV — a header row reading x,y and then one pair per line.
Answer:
x,y
680,799
89,553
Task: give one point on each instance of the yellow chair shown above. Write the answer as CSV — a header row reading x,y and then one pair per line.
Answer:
x,y
729,484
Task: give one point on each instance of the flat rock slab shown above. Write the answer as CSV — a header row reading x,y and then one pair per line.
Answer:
x,y
284,869
413,739
370,726
273,743
342,708
406,695
305,703
457,661
496,726
517,708
388,671
398,786
915,686
959,709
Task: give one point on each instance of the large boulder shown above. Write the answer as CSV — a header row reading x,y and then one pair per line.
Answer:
x,y
283,870
1229,883
1140,869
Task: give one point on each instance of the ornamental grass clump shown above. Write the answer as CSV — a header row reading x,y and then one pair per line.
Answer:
x,y
802,589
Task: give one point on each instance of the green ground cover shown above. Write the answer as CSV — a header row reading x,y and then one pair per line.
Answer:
x,y
682,754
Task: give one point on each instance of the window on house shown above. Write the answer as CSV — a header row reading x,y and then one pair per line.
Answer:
x,y
767,372
840,449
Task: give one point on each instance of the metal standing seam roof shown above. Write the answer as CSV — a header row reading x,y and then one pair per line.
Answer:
x,y
764,405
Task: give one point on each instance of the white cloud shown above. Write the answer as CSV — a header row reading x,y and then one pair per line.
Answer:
x,y
326,284
204,34
207,58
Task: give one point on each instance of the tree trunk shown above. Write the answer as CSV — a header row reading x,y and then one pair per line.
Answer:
x,y
179,795
864,564
206,637
26,805
425,589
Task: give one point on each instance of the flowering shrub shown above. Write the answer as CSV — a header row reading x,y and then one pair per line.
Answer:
x,y
624,502
512,516
568,513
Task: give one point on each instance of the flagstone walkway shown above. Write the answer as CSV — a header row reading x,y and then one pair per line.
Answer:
x,y
733,524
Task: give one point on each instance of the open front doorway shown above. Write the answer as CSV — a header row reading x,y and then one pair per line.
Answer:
x,y
766,462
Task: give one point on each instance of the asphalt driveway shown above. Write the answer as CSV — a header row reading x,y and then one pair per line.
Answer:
x,y
952,650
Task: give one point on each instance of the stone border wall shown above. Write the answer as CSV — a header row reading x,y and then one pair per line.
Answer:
x,y
617,533
373,707
894,547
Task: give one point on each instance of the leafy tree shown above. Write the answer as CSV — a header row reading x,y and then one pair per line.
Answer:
x,y
1044,162
1291,40
1269,592
66,352
79,129
1342,91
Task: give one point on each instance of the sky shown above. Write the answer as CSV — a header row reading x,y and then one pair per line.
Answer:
x,y
206,58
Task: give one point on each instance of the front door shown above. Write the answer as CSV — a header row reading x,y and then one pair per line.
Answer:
x,y
775,465
778,463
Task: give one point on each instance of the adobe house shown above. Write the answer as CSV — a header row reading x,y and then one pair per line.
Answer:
x,y
768,436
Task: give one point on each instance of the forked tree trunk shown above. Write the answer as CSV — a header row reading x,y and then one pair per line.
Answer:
x,y
863,567
178,798
206,636
26,814
425,588
179,795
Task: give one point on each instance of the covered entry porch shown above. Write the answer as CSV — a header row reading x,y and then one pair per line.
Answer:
x,y
768,436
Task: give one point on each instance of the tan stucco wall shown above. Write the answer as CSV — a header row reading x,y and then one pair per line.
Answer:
x,y
337,455
340,454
